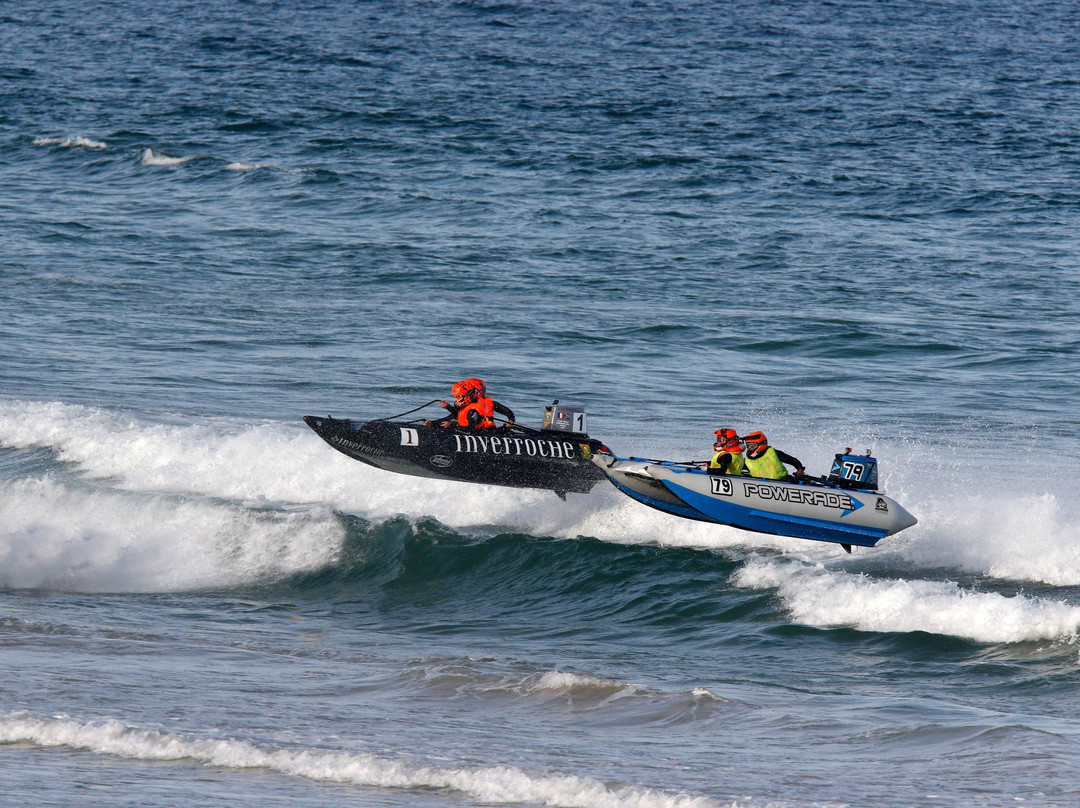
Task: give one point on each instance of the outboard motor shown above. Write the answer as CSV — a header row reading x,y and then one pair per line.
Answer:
x,y
565,419
854,471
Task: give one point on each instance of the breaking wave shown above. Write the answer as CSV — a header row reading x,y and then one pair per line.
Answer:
x,y
134,506
148,157
826,598
65,536
489,784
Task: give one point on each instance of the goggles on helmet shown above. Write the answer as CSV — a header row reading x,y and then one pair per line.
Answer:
x,y
755,441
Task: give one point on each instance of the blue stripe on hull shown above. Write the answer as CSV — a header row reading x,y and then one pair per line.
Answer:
x,y
798,527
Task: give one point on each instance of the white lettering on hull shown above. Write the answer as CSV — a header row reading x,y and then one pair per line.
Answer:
x,y
800,496
481,444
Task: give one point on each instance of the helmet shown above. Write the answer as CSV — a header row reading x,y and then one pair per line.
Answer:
x,y
727,440
469,390
756,443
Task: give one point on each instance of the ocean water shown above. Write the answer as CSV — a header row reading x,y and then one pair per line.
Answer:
x,y
844,223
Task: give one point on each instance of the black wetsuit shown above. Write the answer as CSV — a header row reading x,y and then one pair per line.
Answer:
x,y
789,460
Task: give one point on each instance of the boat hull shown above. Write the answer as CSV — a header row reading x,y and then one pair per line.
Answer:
x,y
631,476
805,510
512,457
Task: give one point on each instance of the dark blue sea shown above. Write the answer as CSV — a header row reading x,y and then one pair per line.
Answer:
x,y
848,224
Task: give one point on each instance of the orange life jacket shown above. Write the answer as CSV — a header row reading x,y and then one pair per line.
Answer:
x,y
485,406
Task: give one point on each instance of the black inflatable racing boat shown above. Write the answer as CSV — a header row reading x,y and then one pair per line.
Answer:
x,y
557,457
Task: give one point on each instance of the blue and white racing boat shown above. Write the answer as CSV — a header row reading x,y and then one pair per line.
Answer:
x,y
844,507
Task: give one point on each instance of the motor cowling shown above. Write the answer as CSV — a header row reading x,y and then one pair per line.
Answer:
x,y
565,419
854,471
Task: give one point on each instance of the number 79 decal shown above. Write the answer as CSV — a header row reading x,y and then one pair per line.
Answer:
x,y
721,486
853,471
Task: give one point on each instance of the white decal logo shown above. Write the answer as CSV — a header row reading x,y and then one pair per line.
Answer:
x,y
409,437
801,496
480,444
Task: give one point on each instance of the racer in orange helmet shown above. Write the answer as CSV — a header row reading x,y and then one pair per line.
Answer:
x,y
477,385
729,453
472,408
464,392
762,460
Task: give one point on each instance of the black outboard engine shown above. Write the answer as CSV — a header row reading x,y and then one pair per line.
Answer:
x,y
565,419
854,471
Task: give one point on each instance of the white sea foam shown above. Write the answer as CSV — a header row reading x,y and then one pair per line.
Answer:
x,y
817,596
490,784
149,157
284,464
999,527
69,142
57,535
1002,531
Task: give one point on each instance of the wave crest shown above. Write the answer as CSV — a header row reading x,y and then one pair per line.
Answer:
x,y
493,784
70,142
149,157
831,599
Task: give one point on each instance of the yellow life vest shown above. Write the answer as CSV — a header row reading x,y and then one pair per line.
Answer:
x,y
735,465
767,466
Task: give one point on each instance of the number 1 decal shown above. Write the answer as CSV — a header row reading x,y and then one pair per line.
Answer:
x,y
409,437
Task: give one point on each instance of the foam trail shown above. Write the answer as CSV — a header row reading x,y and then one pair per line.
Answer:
x,y
1005,517
73,538
292,465
1008,534
826,598
989,527
489,784
259,463
70,142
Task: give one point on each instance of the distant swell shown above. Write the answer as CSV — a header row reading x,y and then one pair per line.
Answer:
x,y
489,784
149,157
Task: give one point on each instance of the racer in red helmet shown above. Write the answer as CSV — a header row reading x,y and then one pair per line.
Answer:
x,y
461,390
729,453
472,408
